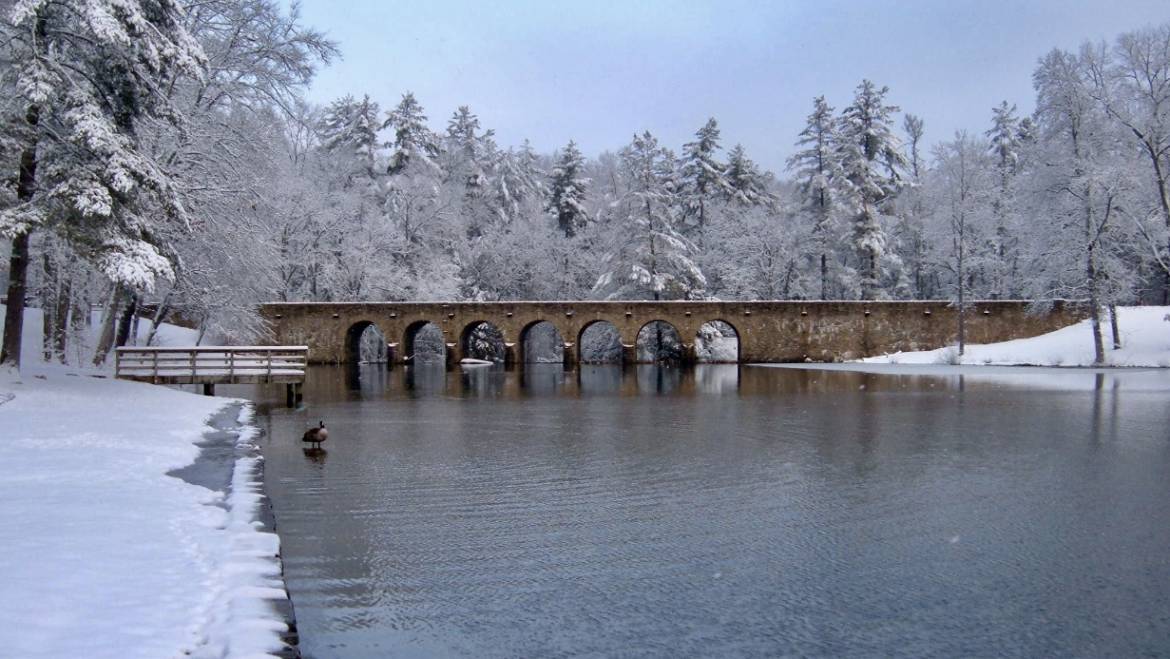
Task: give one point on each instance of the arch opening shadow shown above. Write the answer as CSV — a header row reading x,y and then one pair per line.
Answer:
x,y
600,342
365,344
717,342
483,340
423,343
542,343
659,342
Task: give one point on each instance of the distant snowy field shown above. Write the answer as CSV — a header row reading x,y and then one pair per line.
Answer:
x,y
104,554
1145,340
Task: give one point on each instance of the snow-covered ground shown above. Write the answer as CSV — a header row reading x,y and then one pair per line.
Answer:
x,y
1145,341
105,555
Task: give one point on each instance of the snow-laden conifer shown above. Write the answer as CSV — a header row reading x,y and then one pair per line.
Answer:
x,y
872,165
567,188
86,76
650,257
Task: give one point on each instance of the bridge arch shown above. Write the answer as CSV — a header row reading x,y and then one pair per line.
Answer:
x,y
659,341
431,335
483,339
357,342
541,336
714,346
599,342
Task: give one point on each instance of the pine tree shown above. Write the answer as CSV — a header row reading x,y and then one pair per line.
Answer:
x,y
517,178
413,141
816,170
567,191
871,165
702,175
1005,149
651,257
87,77
350,127
744,184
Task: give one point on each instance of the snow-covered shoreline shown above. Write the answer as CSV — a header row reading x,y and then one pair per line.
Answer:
x,y
110,555
1145,338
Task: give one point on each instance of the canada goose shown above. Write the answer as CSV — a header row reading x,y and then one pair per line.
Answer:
x,y
316,435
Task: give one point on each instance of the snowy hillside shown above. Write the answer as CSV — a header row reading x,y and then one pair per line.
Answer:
x,y
1145,341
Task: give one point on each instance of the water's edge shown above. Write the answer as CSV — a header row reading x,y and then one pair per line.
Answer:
x,y
227,447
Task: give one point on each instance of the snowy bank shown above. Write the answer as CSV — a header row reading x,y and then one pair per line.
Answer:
x,y
106,555
1145,340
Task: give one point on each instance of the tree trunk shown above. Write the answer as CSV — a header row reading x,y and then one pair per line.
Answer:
x,y
18,263
109,317
79,321
824,275
50,299
126,321
160,314
63,311
962,299
14,312
1113,327
1095,307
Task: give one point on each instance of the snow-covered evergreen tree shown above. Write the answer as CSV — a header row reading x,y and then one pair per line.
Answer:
x,y
650,257
1005,148
88,76
872,166
567,187
702,175
816,170
413,140
744,184
351,126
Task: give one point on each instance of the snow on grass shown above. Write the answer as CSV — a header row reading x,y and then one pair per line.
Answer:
x,y
1145,340
105,555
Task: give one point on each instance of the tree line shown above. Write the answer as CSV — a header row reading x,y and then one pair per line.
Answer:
x,y
164,159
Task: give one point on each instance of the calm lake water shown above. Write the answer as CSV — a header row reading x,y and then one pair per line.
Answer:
x,y
726,511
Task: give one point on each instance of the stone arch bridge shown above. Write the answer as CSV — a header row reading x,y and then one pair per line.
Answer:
x,y
789,331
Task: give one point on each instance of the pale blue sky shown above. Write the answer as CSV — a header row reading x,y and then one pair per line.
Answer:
x,y
597,71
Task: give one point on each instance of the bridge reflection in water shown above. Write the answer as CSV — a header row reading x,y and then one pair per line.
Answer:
x,y
371,381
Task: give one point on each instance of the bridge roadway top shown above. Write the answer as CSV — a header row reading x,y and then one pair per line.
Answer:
x,y
768,331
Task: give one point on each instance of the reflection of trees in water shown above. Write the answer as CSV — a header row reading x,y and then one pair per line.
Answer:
x,y
372,346
603,379
601,343
717,378
717,341
543,344
485,341
659,341
425,378
542,378
656,379
429,347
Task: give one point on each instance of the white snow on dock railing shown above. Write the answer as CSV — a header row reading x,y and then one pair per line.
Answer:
x,y
212,364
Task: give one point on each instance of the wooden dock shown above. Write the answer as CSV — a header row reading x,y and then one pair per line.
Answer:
x,y
212,365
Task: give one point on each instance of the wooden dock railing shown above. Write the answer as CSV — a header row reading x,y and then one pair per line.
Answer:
x,y
212,365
